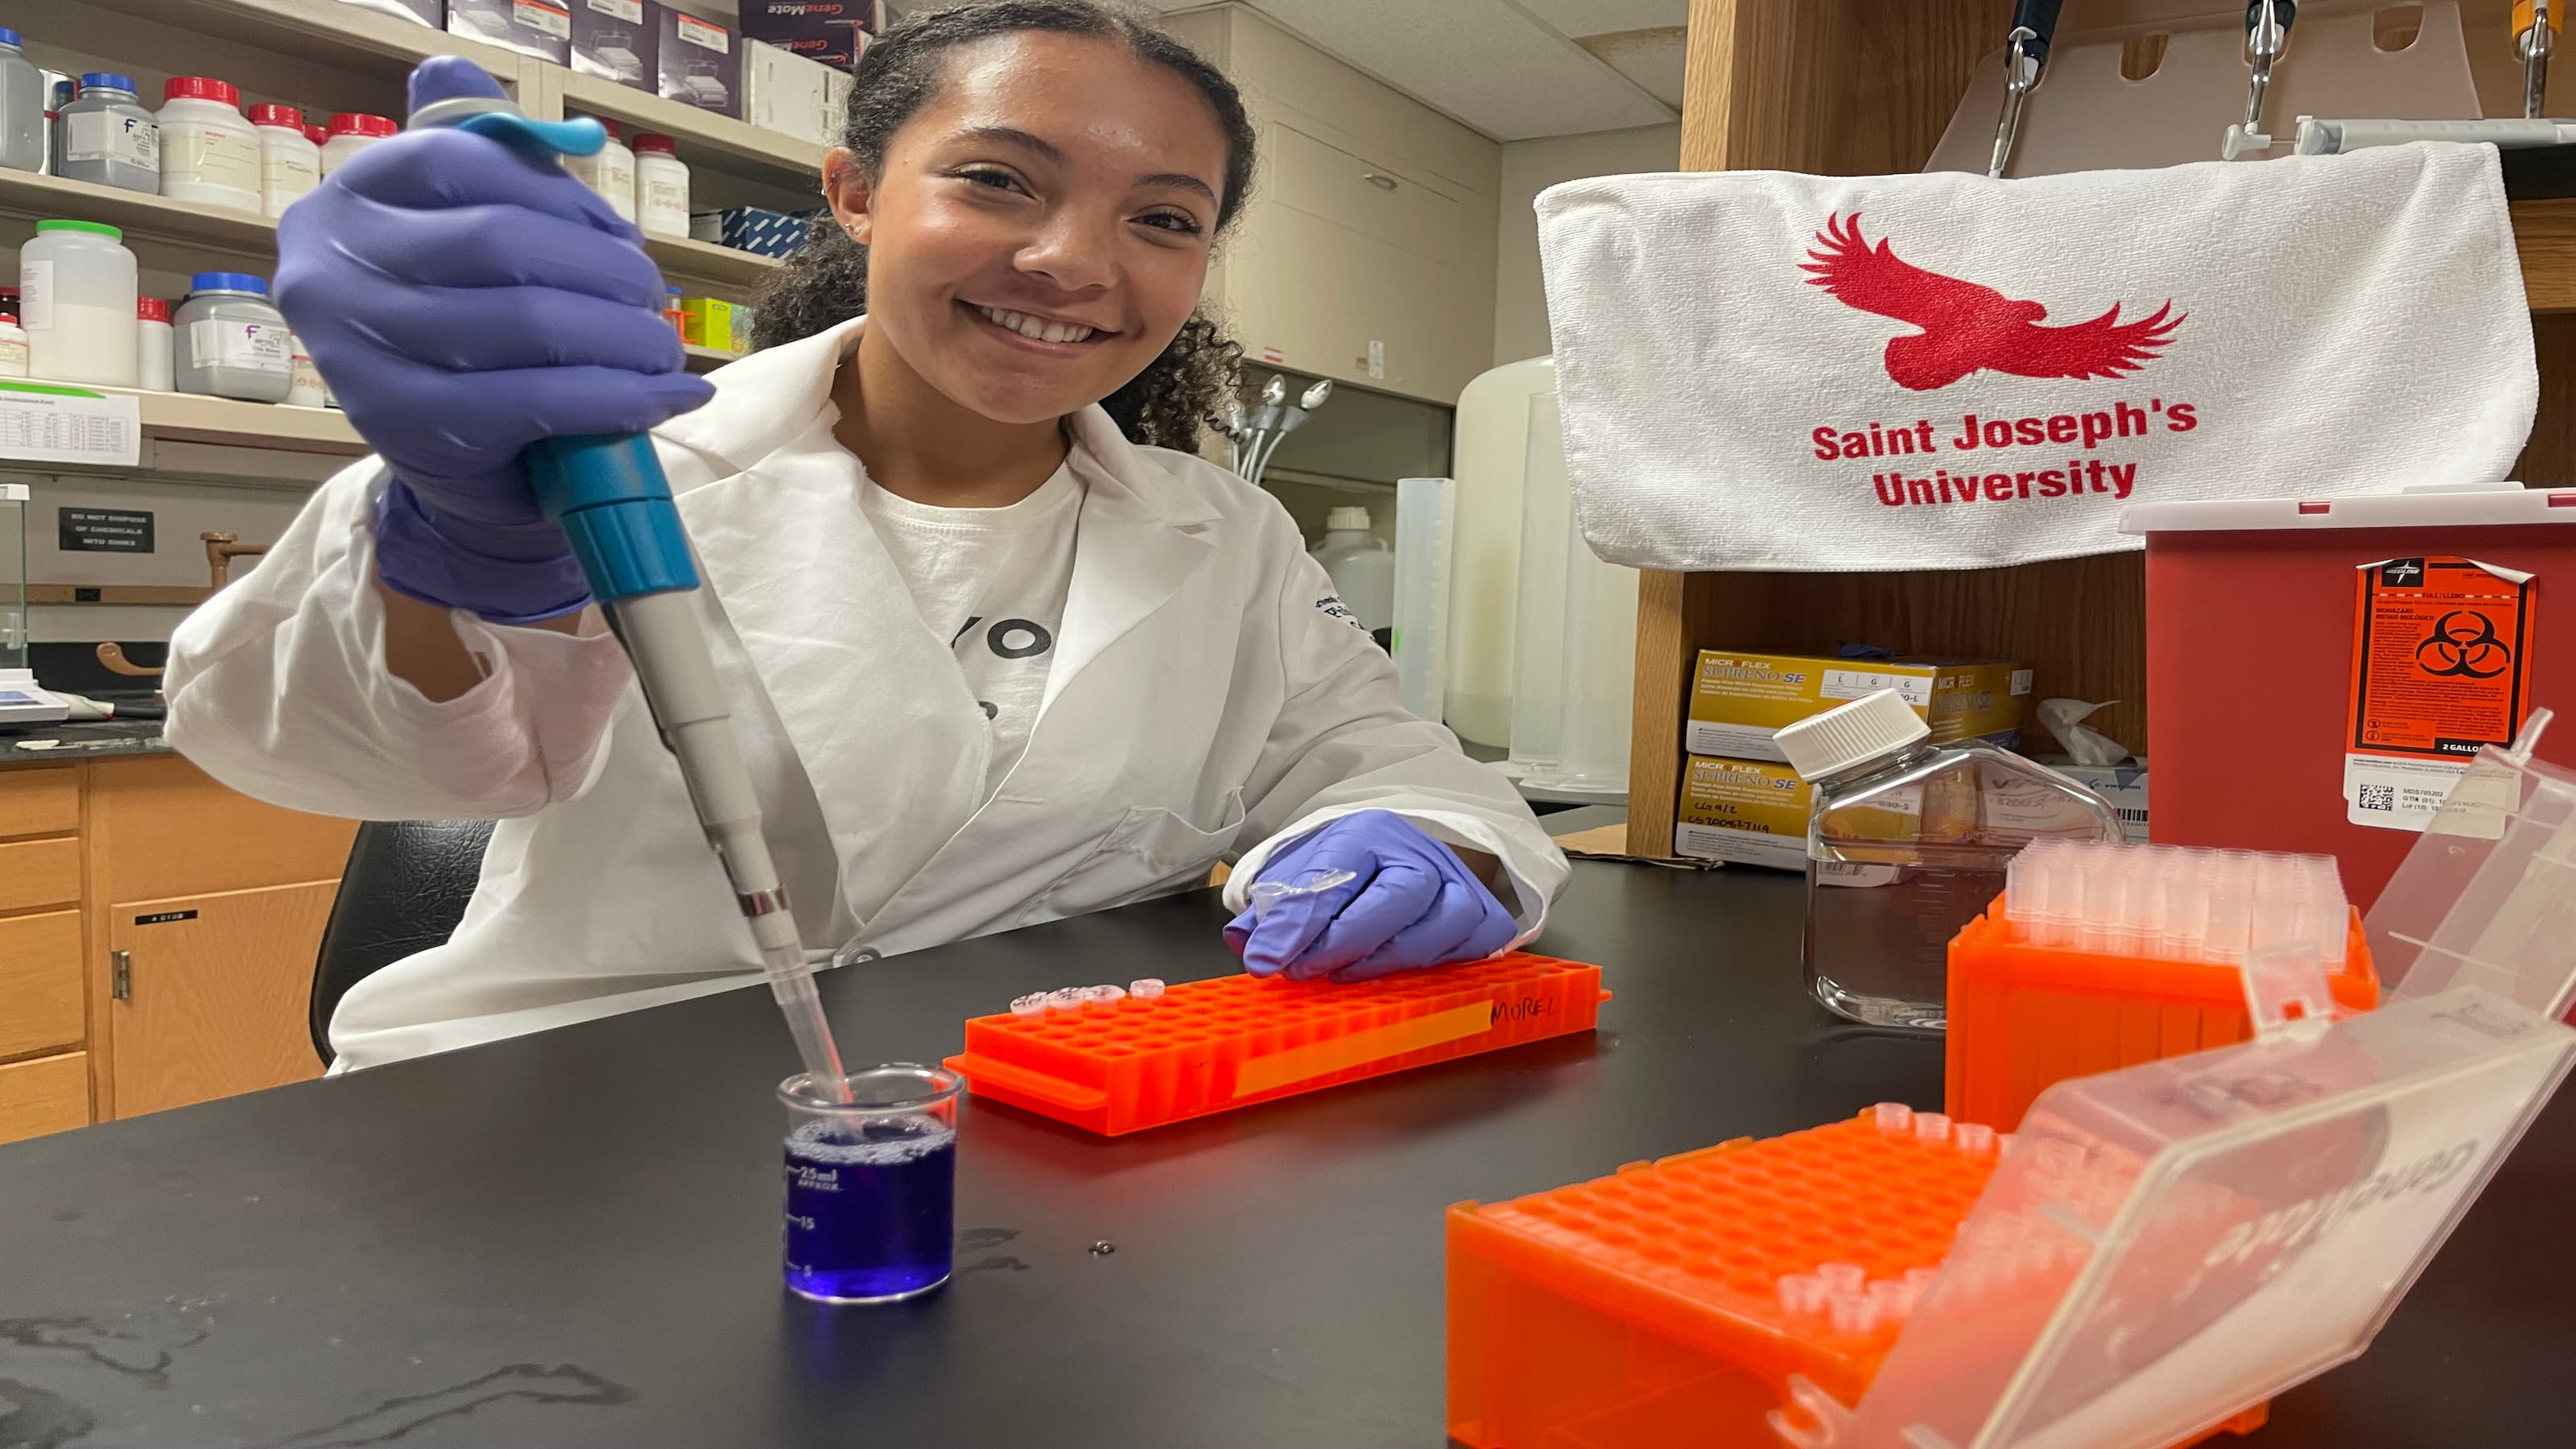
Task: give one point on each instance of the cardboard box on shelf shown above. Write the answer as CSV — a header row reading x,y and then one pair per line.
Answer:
x,y
698,61
1739,701
833,32
767,233
707,322
613,40
791,95
542,28
1751,812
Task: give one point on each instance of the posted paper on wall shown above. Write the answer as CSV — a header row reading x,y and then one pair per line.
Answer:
x,y
40,423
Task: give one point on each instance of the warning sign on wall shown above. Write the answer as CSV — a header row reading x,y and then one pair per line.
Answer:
x,y
2441,667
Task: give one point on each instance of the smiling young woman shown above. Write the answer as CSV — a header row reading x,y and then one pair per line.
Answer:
x,y
1001,647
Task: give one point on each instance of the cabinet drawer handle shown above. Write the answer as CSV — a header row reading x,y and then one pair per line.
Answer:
x,y
1378,179
120,967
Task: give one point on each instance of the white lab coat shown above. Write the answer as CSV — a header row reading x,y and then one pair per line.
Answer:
x,y
1201,704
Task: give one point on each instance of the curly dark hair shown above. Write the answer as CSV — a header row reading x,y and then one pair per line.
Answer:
x,y
826,282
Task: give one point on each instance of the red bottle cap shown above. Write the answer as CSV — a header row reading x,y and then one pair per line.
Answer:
x,y
656,141
152,309
615,132
316,135
353,123
201,88
286,116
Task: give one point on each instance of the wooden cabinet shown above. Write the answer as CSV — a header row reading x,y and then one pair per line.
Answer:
x,y
1367,253
208,993
157,937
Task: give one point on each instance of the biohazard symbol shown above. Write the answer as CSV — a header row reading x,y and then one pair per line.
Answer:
x,y
2463,644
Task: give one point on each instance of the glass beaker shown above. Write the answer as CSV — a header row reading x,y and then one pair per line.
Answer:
x,y
871,1185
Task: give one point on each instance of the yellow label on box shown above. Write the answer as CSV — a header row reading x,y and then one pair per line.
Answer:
x,y
1748,811
710,323
1739,701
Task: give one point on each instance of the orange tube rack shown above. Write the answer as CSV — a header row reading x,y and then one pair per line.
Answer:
x,y
1648,1309
1211,1046
2024,1017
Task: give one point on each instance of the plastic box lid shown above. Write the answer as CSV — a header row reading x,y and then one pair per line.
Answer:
x,y
2166,1245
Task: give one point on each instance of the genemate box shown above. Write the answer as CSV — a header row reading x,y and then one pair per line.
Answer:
x,y
2024,1017
1232,1041
1670,1304
1739,701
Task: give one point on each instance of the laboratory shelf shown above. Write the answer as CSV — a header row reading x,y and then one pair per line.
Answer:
x,y
191,418
718,143
138,215
329,32
683,261
708,359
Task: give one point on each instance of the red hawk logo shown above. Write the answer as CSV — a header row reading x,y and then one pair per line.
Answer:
x,y
1967,326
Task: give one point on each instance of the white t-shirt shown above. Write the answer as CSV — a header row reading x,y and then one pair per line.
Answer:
x,y
991,581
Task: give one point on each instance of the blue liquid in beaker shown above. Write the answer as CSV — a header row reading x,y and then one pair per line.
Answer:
x,y
871,1211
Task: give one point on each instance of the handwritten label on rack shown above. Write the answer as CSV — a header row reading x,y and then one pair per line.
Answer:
x,y
41,424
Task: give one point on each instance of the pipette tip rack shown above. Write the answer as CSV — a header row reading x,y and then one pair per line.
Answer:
x,y
1115,1061
2098,957
1670,1302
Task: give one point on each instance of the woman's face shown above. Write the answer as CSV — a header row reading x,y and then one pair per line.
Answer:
x,y
1042,225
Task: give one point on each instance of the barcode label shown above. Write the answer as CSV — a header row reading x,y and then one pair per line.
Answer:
x,y
2379,797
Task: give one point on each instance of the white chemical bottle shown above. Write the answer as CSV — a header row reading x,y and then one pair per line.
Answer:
x,y
289,163
304,387
153,341
13,348
209,149
661,186
1362,568
22,107
611,172
231,342
104,136
1907,842
352,132
76,295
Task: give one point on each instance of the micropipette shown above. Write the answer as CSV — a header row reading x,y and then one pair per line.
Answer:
x,y
612,501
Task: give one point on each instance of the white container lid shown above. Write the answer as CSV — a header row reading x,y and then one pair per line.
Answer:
x,y
2472,505
1347,519
1865,729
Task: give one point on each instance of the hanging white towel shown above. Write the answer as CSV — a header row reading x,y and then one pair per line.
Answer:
x,y
1762,370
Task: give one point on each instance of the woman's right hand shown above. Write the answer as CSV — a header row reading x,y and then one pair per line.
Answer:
x,y
465,302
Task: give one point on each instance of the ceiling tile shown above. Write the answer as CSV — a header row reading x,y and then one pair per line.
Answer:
x,y
1651,58
1489,63
1580,18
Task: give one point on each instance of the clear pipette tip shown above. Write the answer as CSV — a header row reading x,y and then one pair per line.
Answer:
x,y
791,980
1267,896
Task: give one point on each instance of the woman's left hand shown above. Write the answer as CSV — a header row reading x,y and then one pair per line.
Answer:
x,y
1409,902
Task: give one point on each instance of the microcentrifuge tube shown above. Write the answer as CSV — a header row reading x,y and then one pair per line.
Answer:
x,y
1802,1292
1893,1117
1853,1312
1931,1127
1105,995
1973,1137
1842,1277
1033,1004
1269,894
1068,999
1148,989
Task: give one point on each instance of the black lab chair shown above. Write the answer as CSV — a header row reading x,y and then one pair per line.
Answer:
x,y
403,892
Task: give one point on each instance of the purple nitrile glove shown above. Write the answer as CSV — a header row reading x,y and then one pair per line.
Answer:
x,y
465,302
1408,901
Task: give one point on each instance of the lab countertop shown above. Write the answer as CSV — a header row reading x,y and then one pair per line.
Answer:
x,y
64,743
572,1239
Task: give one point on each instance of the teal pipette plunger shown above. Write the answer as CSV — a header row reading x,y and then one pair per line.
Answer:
x,y
611,499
